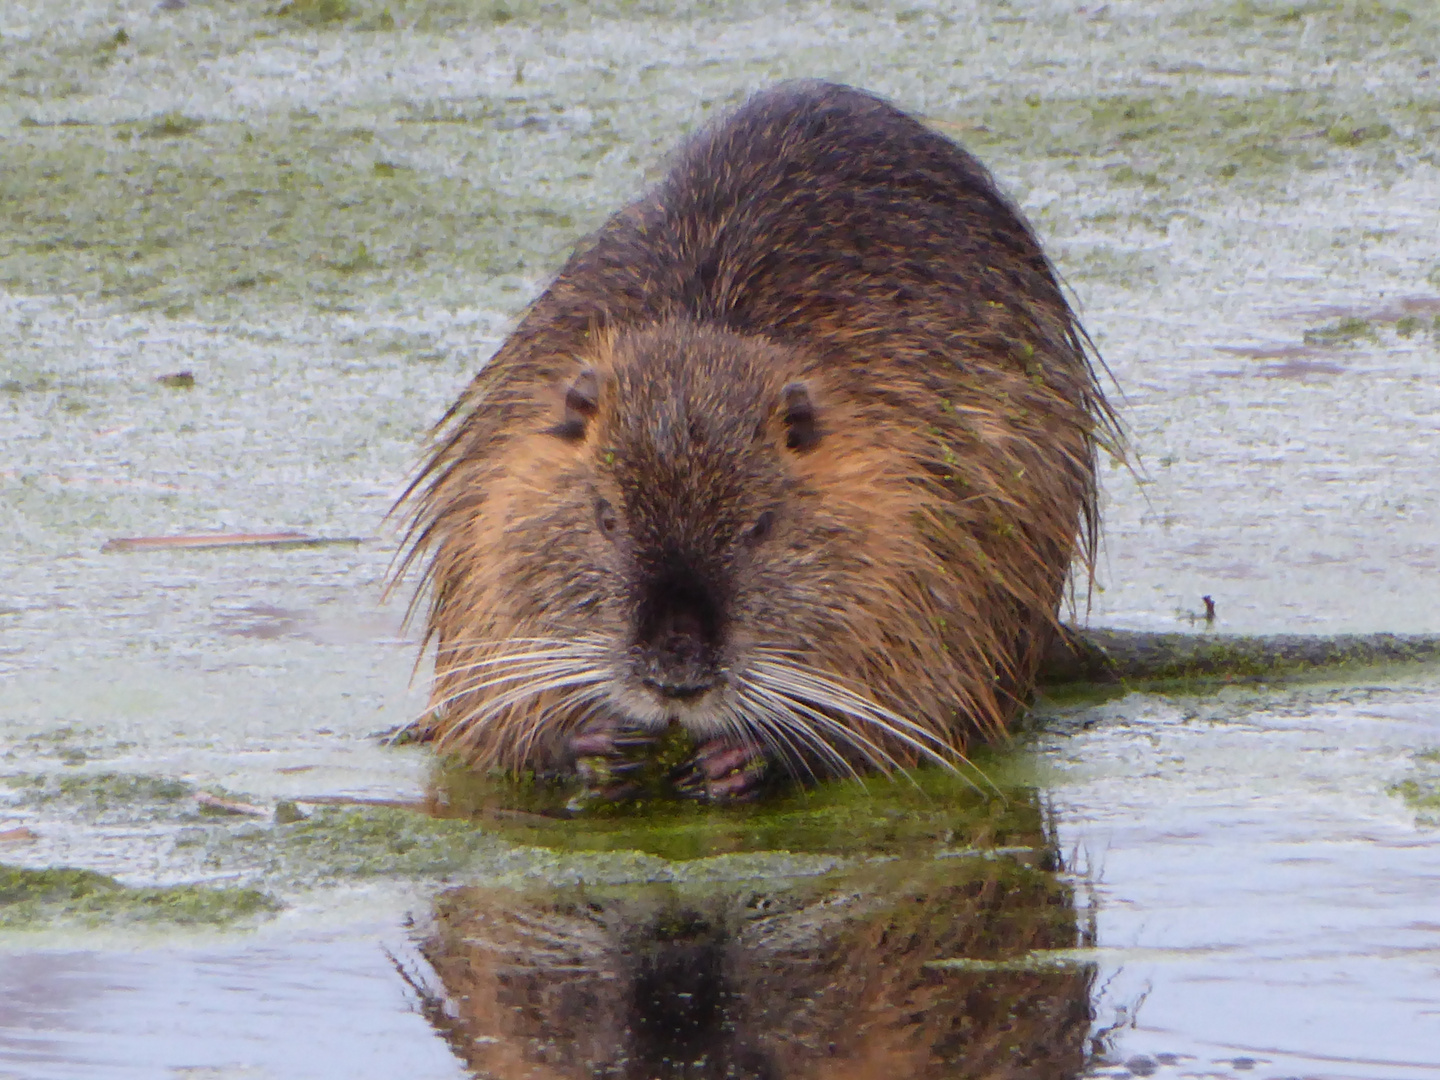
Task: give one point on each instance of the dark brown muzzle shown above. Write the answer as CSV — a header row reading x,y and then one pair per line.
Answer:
x,y
677,637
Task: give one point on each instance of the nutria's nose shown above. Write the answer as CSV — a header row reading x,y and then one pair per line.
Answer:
x,y
677,635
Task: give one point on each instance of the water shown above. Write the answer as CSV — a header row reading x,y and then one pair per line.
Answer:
x,y
1245,200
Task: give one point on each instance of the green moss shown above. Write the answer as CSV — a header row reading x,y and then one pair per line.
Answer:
x,y
31,899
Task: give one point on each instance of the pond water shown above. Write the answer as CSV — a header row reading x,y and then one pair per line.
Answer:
x,y
329,213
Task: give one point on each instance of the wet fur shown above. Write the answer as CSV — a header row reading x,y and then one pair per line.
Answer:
x,y
913,558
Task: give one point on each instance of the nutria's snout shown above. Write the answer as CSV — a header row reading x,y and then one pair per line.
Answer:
x,y
677,634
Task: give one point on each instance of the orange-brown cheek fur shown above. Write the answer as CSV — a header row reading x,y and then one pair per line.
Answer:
x,y
487,575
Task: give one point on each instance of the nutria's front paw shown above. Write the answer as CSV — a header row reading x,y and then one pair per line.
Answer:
x,y
607,756
723,772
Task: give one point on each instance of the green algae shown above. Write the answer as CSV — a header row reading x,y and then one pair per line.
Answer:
x,y
102,792
1099,664
179,380
281,212
1166,137
35,899
314,12
172,125
442,16
1354,24
1421,789
922,811
1346,331
356,842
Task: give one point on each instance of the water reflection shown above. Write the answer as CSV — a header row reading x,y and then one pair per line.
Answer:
x,y
924,966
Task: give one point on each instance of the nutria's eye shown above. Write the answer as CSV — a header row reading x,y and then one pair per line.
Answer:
x,y
761,530
605,517
582,401
801,432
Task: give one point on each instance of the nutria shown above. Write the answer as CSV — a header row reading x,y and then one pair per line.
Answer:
x,y
796,451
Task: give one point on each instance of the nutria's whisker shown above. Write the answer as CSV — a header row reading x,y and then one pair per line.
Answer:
x,y
471,687
500,702
890,765
472,724
812,692
825,689
588,643
801,711
480,678
564,710
771,726
782,711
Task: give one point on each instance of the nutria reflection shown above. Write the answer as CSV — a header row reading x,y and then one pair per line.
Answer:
x,y
832,976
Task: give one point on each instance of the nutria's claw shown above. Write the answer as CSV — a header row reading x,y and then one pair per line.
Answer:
x,y
722,772
606,755
607,739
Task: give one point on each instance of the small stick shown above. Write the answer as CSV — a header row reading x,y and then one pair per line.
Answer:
x,y
356,800
225,540
229,806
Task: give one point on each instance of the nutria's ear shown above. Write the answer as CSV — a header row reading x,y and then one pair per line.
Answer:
x,y
582,401
801,431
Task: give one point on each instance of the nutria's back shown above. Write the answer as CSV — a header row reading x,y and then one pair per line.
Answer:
x,y
797,450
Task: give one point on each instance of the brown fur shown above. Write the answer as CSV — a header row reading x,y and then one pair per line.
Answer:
x,y
912,543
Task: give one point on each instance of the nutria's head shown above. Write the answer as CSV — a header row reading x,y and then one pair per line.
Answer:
x,y
681,525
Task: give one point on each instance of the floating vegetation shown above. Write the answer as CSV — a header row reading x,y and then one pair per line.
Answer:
x,y
33,899
1345,331
1421,790
368,841
885,816
172,125
358,260
100,792
1344,134
314,12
